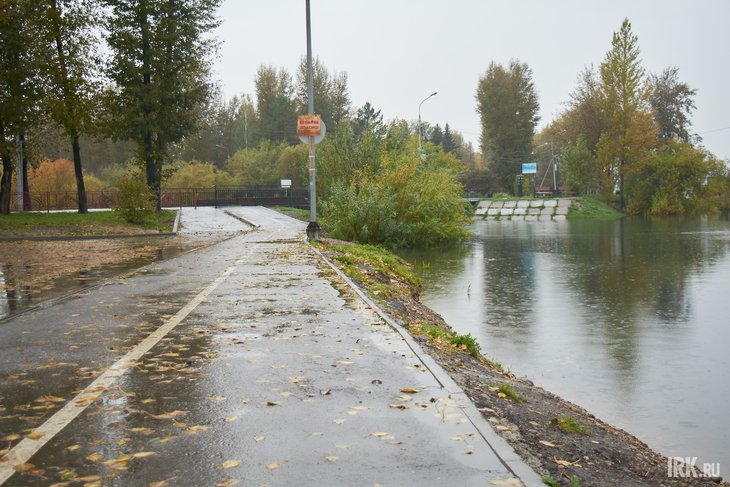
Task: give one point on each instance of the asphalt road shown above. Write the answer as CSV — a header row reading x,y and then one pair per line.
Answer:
x,y
248,362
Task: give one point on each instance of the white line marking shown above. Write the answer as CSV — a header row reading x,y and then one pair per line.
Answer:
x,y
23,451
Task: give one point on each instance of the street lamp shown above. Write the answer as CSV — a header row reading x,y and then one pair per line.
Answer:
x,y
228,152
420,148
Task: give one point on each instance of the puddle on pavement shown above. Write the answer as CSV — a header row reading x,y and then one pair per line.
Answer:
x,y
26,285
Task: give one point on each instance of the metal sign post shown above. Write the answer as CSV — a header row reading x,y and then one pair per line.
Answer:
x,y
313,229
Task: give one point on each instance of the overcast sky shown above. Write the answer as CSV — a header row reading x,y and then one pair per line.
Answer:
x,y
396,52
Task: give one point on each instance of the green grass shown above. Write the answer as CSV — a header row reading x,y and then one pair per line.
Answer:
x,y
460,341
297,213
467,341
571,425
589,207
434,331
378,258
507,390
548,480
78,224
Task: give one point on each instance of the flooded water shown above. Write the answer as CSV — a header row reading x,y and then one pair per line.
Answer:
x,y
24,285
629,319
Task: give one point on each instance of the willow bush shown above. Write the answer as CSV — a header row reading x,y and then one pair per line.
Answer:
x,y
409,200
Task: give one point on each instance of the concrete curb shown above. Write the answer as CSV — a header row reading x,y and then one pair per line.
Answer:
x,y
499,445
242,219
176,225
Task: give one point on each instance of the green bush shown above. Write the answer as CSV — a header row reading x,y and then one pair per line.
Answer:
x,y
411,201
135,200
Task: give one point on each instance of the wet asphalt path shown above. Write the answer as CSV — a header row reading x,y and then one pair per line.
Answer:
x,y
248,362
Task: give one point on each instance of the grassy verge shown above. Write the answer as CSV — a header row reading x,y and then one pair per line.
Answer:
x,y
297,213
95,222
587,207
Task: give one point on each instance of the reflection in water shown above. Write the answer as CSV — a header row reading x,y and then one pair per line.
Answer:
x,y
627,318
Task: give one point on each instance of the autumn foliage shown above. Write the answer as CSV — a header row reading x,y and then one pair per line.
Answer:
x,y
58,176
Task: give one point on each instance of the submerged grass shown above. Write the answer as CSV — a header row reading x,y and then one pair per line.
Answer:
x,y
591,208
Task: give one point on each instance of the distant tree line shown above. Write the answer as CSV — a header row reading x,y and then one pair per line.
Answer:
x,y
625,136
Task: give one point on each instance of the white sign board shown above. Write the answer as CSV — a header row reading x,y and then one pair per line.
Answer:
x,y
286,183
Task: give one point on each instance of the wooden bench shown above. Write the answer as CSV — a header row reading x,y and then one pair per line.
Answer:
x,y
567,191
543,191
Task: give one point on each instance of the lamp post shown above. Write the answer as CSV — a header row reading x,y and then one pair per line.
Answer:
x,y
420,148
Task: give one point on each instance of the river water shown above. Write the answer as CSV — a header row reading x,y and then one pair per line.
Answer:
x,y
629,319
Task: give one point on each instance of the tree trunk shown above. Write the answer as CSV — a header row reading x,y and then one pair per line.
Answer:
x,y
6,183
148,154
27,204
80,188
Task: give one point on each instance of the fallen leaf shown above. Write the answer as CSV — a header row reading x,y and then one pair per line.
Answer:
x,y
325,392
12,437
95,457
196,429
565,463
339,421
35,435
231,464
359,408
23,467
227,483
276,464
73,447
144,454
514,482
259,439
231,419
409,390
398,406
331,458
271,403
379,434
547,443
67,474
117,461
217,398
88,478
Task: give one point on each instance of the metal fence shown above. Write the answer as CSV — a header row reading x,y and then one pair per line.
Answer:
x,y
215,196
